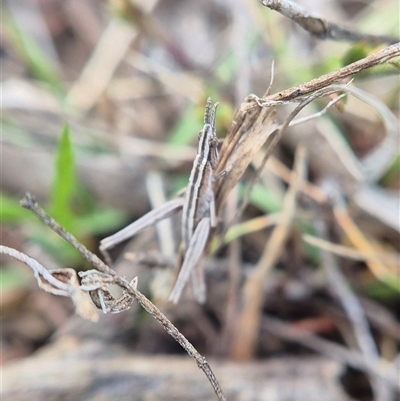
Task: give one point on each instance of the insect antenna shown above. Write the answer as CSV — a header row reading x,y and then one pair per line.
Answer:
x,y
207,113
212,116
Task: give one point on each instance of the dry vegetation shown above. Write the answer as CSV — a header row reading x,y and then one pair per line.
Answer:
x,y
302,271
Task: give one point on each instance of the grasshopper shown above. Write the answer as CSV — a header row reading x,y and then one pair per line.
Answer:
x,y
198,213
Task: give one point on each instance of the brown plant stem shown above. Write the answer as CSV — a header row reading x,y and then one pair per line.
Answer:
x,y
28,202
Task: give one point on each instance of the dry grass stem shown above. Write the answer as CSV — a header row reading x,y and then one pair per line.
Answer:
x,y
154,216
248,133
182,83
61,282
323,81
349,253
354,312
360,242
109,52
318,114
130,146
129,79
234,277
321,28
104,275
249,318
376,163
247,227
274,139
278,168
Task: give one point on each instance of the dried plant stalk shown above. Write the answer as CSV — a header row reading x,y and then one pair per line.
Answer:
x,y
248,133
249,318
323,81
321,28
104,276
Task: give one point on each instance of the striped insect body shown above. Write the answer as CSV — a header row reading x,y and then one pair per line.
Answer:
x,y
198,213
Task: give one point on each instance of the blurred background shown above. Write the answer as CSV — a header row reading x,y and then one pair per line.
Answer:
x,y
102,102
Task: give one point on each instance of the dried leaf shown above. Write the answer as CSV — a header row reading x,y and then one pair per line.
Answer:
x,y
65,276
247,135
63,282
81,299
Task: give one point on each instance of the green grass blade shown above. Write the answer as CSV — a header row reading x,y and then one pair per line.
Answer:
x,y
32,54
64,182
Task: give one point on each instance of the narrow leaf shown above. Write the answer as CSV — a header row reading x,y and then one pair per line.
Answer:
x,y
36,60
64,182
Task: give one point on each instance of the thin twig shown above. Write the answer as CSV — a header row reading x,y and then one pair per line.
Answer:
x,y
349,253
62,282
29,203
38,269
321,28
304,119
234,276
323,81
